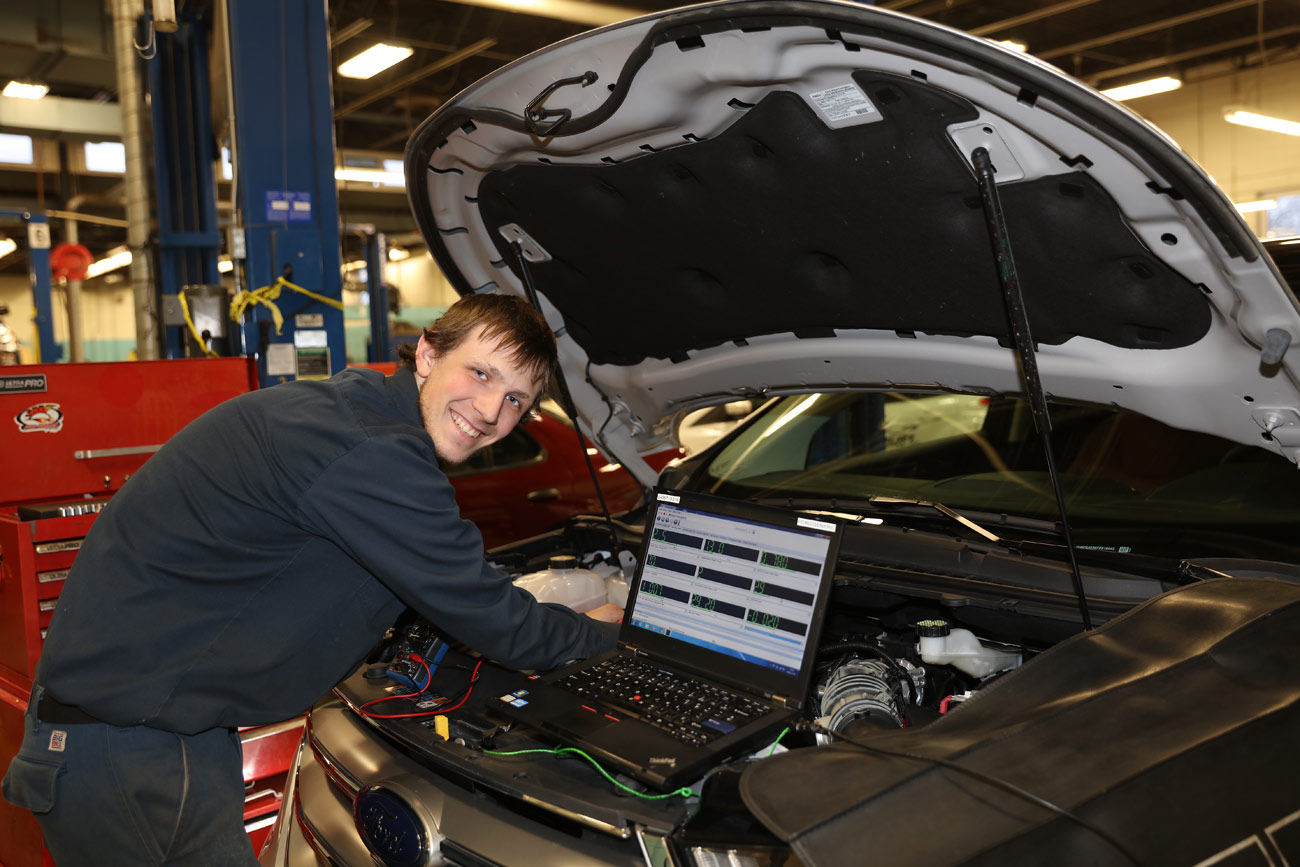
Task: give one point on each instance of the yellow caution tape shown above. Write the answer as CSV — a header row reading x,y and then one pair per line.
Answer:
x,y
267,296
185,311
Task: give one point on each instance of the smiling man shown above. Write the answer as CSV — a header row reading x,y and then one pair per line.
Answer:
x,y
477,380
251,564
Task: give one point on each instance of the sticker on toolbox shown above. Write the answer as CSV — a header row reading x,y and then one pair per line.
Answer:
x,y
40,418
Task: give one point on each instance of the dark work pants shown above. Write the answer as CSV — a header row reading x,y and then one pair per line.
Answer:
x,y
106,795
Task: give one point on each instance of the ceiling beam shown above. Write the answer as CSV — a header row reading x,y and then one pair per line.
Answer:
x,y
343,34
1144,29
407,80
1030,17
575,11
1171,59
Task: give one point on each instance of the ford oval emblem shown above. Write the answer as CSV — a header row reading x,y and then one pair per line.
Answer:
x,y
390,828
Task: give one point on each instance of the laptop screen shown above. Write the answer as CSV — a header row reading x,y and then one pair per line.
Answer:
x,y
725,578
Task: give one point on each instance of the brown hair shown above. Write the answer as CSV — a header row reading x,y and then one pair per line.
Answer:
x,y
508,319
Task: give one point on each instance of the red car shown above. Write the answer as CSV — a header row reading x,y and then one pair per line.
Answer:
x,y
535,477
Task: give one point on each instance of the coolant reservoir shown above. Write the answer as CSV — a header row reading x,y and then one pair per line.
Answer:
x,y
939,644
563,582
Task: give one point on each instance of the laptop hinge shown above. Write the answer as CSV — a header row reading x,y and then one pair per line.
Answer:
x,y
782,701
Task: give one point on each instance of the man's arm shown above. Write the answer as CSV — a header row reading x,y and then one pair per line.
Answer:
x,y
386,507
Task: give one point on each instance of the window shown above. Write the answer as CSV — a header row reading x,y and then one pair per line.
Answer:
x,y
1284,220
515,449
105,156
16,149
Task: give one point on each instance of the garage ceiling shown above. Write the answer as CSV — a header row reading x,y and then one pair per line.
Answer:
x,y
69,46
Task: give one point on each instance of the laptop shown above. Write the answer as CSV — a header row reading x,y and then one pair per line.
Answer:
x,y
717,647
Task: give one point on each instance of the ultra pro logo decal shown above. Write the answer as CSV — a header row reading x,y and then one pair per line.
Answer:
x,y
41,417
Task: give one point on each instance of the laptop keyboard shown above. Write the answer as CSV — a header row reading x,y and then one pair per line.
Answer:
x,y
691,711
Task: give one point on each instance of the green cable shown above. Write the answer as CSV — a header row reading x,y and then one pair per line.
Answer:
x,y
684,792
776,742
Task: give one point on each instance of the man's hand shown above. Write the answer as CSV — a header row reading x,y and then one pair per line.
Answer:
x,y
610,613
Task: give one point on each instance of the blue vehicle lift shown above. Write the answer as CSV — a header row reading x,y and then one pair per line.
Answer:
x,y
38,266
188,237
286,198
286,202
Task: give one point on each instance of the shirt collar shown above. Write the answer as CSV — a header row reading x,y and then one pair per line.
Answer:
x,y
405,394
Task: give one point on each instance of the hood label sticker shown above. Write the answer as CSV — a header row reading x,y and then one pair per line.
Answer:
x,y
40,418
842,103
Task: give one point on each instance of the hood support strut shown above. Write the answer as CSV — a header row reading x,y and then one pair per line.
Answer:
x,y
566,398
1023,342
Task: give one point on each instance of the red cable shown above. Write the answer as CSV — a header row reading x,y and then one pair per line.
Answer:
x,y
469,689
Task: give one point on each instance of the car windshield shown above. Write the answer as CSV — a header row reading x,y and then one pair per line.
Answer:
x,y
1130,483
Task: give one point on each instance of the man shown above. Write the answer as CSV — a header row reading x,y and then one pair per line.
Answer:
x,y
251,564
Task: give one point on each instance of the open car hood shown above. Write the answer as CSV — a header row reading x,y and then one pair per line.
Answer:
x,y
749,198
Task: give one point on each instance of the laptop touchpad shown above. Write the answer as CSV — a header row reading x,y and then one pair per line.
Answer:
x,y
581,722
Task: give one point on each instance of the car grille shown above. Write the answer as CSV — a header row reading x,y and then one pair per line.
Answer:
x,y
345,756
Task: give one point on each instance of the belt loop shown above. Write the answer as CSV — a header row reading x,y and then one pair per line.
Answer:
x,y
33,702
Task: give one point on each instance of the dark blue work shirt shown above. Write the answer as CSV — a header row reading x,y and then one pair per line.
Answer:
x,y
255,559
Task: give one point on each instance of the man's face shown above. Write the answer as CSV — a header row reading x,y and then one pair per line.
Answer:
x,y
471,396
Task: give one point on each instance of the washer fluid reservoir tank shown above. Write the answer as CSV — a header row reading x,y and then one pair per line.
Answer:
x,y
563,582
939,644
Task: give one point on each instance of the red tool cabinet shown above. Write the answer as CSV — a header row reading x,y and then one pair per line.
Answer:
x,y
70,436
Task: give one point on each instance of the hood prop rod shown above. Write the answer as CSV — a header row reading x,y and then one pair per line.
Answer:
x,y
566,398
1023,342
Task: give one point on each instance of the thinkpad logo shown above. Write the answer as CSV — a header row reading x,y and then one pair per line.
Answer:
x,y
663,760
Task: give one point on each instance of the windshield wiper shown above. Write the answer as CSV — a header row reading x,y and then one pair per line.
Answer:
x,y
939,507
902,505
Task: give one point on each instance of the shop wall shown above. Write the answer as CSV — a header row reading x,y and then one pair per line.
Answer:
x,y
423,293
1248,164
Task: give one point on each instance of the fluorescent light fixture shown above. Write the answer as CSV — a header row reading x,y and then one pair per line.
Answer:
x,y
25,90
1014,45
7,246
118,257
1250,117
397,254
1164,84
374,60
371,176
354,265
1256,206
224,265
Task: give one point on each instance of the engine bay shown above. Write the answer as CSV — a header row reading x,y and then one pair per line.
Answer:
x,y
922,660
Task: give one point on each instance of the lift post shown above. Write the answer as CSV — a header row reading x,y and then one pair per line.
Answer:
x,y
188,237
286,199
38,269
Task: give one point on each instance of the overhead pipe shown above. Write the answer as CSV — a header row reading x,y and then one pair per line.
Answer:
x,y
125,15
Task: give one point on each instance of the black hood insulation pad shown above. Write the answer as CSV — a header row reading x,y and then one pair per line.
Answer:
x,y
781,224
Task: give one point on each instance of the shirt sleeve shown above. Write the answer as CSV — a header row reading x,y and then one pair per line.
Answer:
x,y
387,505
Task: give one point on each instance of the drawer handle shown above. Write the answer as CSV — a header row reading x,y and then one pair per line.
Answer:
x,y
65,545
89,454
